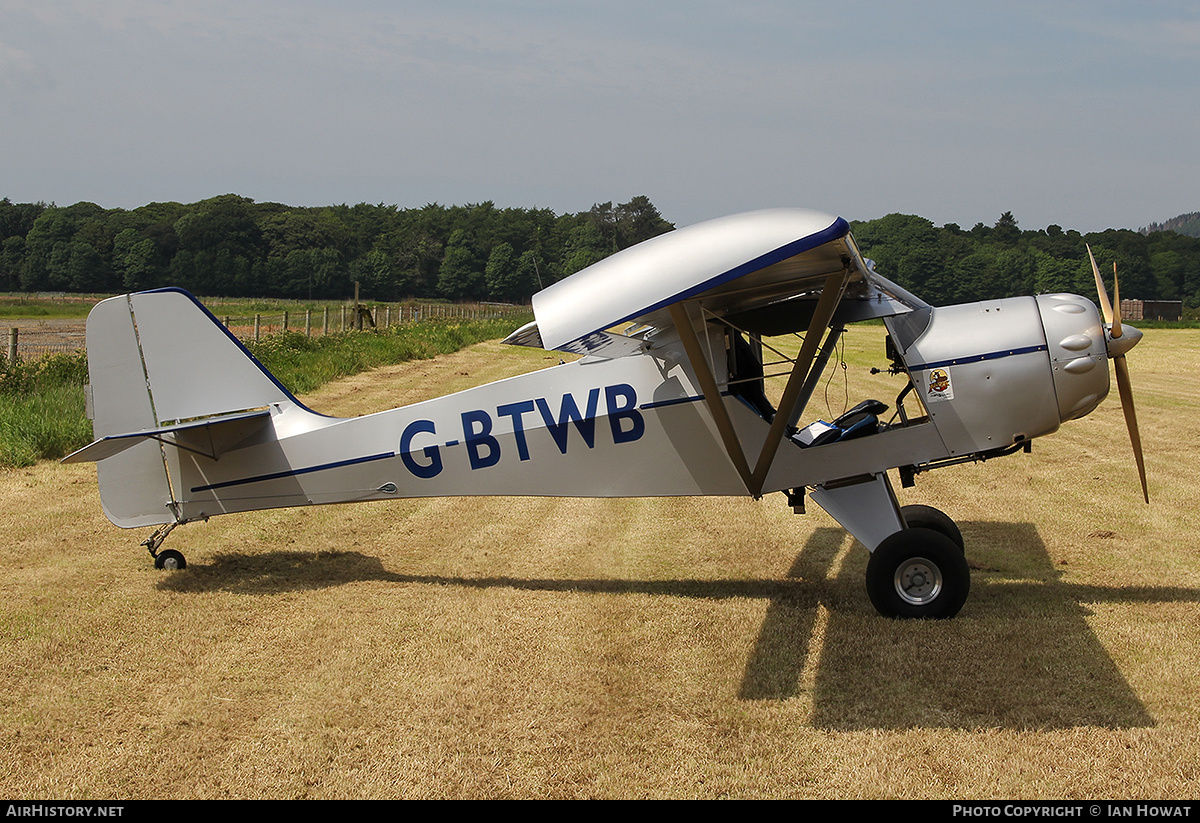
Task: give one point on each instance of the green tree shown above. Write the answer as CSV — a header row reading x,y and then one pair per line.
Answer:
x,y
87,270
222,241
16,219
585,245
1006,230
12,258
637,221
135,261
501,272
460,276
66,245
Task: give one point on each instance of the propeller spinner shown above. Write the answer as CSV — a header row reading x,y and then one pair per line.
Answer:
x,y
1121,339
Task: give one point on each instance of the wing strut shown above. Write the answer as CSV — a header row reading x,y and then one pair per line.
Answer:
x,y
831,295
793,395
712,394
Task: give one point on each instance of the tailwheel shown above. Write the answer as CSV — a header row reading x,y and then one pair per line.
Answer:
x,y
918,573
170,560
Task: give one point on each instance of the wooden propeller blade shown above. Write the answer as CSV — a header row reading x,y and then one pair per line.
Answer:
x,y
1116,319
1126,390
1105,306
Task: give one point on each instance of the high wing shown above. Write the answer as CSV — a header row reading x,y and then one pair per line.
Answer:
x,y
764,269
765,273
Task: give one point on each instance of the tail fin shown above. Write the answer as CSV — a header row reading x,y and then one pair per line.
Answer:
x,y
160,364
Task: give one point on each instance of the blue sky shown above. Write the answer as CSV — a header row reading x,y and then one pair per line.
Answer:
x,y
1085,115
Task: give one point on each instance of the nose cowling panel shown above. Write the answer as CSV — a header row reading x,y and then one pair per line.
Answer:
x,y
1077,346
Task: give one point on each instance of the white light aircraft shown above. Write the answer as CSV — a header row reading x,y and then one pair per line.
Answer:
x,y
667,400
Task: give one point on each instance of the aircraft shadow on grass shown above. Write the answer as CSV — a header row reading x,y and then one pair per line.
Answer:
x,y
1022,655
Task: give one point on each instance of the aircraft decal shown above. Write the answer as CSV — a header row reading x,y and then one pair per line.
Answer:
x,y
939,385
625,419
626,424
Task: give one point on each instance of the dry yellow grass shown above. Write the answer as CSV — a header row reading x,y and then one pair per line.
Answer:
x,y
487,648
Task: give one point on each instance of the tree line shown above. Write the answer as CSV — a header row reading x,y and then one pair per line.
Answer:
x,y
231,246
949,264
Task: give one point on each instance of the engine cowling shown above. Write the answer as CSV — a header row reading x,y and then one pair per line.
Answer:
x,y
1000,372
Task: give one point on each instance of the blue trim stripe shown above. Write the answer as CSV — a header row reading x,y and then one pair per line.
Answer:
x,y
838,229
262,478
673,402
977,358
676,401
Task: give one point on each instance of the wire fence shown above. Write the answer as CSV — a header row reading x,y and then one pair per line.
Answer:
x,y
33,339
361,318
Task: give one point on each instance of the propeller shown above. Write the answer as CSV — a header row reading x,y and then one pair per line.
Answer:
x,y
1120,340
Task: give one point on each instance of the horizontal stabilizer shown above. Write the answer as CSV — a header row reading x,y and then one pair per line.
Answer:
x,y
211,437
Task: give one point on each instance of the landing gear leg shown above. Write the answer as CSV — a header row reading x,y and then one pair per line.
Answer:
x,y
169,559
917,567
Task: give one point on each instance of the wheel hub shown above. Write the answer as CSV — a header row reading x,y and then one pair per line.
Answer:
x,y
918,581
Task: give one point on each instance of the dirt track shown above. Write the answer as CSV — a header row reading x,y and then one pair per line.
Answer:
x,y
36,337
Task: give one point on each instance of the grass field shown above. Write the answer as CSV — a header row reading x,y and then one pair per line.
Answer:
x,y
678,648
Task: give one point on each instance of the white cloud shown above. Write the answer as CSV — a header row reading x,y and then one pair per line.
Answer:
x,y
19,71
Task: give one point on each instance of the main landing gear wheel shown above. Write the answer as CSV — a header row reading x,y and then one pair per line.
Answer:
x,y
169,559
927,517
918,573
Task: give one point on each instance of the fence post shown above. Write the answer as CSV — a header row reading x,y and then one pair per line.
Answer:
x,y
325,326
12,346
257,325
308,322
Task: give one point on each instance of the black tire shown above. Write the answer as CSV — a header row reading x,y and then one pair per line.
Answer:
x,y
170,559
918,573
927,517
